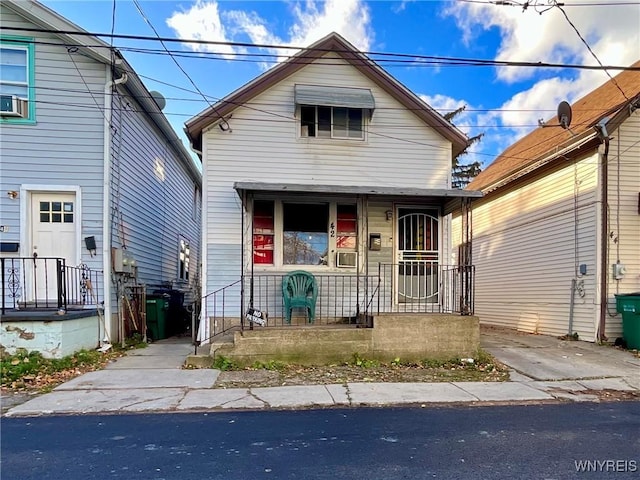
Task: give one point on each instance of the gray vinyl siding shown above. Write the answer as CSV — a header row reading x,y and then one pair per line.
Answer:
x,y
527,244
624,219
263,144
152,199
65,146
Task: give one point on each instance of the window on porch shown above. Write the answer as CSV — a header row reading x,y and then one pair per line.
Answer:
x,y
306,234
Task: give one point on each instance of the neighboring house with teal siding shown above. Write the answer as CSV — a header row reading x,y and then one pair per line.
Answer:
x,y
94,185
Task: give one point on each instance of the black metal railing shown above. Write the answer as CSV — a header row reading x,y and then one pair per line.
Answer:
x,y
424,286
415,286
46,283
82,285
342,299
221,311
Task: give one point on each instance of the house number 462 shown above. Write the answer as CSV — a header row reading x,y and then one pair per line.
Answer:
x,y
333,230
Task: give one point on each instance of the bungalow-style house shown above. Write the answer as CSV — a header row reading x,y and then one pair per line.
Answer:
x,y
557,234
327,164
99,199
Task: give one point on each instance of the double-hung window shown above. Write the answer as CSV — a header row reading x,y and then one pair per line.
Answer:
x,y
331,122
288,233
333,112
17,101
183,259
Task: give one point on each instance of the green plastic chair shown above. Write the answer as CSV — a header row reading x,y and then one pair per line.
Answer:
x,y
299,290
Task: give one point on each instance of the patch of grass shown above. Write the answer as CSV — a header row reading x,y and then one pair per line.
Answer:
x,y
31,371
136,341
272,365
24,367
223,363
358,361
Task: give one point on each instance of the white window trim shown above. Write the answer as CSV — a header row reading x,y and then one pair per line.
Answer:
x,y
278,226
333,137
25,49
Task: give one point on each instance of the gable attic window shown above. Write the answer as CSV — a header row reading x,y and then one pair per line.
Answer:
x,y
333,112
17,102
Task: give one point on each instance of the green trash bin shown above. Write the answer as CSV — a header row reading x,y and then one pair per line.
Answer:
x,y
628,304
157,308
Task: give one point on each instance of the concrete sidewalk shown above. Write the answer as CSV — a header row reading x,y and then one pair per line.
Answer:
x,y
151,379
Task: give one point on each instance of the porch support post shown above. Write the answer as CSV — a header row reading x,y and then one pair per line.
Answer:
x,y
466,306
242,247
251,284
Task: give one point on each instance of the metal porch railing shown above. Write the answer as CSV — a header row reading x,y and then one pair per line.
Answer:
x,y
415,286
37,283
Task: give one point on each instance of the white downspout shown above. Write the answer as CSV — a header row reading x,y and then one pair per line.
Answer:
x,y
106,197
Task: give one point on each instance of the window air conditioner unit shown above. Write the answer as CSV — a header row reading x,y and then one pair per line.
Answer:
x,y
10,106
346,259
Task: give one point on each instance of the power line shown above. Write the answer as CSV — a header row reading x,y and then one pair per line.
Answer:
x,y
178,64
372,54
559,6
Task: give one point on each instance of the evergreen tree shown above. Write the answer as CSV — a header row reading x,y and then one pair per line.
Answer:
x,y
463,173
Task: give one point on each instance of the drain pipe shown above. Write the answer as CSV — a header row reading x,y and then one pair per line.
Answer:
x,y
601,128
106,194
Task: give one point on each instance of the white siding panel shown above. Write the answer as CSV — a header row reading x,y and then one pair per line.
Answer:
x,y
527,244
624,220
263,144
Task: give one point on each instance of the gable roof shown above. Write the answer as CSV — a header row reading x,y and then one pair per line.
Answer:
x,y
534,149
338,45
100,51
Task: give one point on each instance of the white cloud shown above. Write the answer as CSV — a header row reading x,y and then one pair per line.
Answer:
x,y
612,32
202,22
310,21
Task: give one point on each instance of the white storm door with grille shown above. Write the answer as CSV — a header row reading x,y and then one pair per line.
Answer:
x,y
417,255
53,234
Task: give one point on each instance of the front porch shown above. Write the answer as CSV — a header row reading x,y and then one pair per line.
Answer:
x,y
408,337
434,303
47,284
49,307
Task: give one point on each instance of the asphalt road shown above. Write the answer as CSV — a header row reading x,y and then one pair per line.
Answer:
x,y
471,442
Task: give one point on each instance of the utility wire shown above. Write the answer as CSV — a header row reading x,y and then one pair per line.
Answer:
x,y
613,80
137,4
455,60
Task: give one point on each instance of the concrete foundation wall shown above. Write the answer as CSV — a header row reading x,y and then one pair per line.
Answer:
x,y
53,339
408,337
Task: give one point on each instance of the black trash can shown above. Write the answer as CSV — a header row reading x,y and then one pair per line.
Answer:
x,y
177,320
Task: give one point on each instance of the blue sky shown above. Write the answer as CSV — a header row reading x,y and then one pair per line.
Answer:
x,y
504,103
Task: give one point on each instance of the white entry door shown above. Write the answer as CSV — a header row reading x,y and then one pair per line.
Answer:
x,y
417,254
53,234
